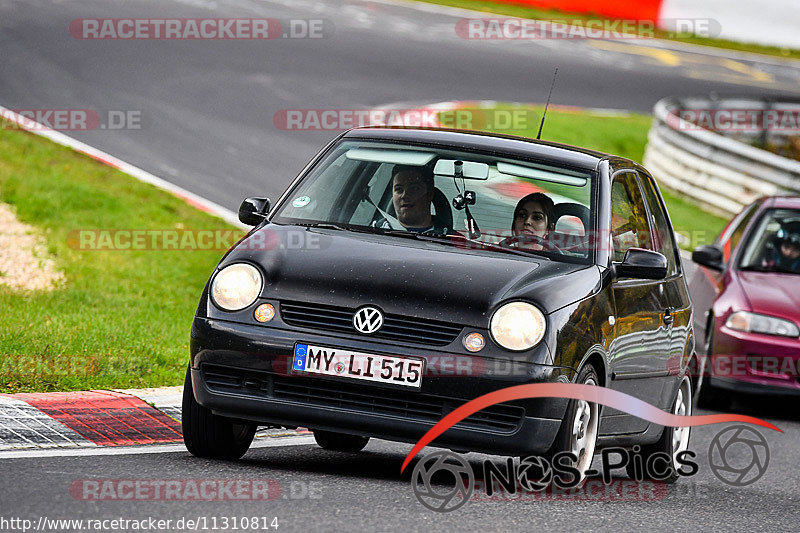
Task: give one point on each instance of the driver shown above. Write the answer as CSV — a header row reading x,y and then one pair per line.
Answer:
x,y
412,194
784,252
534,216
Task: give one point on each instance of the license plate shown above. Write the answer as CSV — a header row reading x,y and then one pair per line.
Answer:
x,y
327,361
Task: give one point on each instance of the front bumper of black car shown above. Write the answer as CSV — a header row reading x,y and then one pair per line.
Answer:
x,y
244,371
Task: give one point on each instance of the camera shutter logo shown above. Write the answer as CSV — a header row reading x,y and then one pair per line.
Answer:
x,y
368,320
453,486
731,460
535,474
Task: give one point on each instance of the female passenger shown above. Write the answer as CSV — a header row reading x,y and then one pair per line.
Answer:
x,y
534,217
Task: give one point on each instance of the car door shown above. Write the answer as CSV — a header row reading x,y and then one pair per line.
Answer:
x,y
640,336
673,289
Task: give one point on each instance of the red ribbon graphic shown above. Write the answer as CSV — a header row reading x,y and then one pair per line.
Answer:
x,y
602,395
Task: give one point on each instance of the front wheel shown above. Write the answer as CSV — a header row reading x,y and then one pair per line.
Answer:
x,y
208,435
578,431
673,441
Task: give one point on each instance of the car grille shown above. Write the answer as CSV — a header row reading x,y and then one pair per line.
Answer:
x,y
395,327
352,397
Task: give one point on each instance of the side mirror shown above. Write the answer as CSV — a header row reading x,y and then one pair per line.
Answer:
x,y
709,256
642,264
253,211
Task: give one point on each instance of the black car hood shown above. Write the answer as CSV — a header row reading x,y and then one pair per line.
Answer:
x,y
405,276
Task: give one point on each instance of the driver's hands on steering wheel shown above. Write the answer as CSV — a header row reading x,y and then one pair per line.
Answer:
x,y
524,239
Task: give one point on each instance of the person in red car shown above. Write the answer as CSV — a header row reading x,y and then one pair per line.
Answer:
x,y
783,253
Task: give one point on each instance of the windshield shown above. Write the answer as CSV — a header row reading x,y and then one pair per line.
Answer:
x,y
487,202
774,245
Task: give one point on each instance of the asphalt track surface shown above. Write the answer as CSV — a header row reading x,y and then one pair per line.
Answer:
x,y
207,107
207,113
329,491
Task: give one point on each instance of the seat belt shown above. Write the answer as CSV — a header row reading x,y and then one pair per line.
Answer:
x,y
393,222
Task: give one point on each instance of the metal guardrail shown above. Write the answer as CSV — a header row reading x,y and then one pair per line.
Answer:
x,y
722,173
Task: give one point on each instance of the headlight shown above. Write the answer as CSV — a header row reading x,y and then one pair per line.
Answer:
x,y
769,325
518,326
236,286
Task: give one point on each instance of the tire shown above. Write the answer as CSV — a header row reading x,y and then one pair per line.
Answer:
x,y
340,442
673,440
578,431
208,435
707,396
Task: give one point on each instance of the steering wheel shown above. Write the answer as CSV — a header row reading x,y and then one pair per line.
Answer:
x,y
523,239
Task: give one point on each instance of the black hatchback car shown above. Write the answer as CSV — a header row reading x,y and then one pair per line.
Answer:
x,y
408,271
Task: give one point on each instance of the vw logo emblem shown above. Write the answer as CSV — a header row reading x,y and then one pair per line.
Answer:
x,y
368,320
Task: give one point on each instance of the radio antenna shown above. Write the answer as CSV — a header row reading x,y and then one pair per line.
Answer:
x,y
547,104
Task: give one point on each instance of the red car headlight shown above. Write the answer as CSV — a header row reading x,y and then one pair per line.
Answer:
x,y
768,325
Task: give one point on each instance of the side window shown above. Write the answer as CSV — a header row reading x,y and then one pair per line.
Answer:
x,y
663,238
730,237
629,227
313,200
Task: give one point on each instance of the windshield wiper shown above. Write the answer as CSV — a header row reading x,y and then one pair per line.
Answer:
x,y
322,225
456,239
338,227
515,251
420,236
377,231
428,236
496,247
773,268
755,268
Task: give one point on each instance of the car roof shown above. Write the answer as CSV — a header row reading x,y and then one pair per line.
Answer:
x,y
507,144
788,202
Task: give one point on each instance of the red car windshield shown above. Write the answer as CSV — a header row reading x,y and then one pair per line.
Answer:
x,y
774,245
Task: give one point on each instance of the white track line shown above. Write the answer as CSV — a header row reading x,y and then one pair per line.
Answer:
x,y
277,442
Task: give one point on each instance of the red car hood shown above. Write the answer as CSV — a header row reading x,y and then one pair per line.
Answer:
x,y
773,294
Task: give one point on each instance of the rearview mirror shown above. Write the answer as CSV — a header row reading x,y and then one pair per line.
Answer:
x,y
709,256
469,169
253,211
642,264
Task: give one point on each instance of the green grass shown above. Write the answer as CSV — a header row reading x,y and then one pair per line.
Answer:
x,y
122,318
520,11
623,135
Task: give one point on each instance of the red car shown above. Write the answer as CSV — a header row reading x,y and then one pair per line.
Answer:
x,y
746,297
